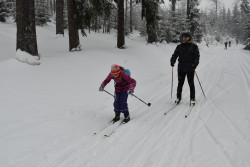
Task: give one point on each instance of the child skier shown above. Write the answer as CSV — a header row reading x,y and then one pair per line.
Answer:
x,y
124,85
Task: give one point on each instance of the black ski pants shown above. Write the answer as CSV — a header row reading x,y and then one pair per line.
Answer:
x,y
181,80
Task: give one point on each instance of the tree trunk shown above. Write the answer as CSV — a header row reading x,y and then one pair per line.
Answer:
x,y
51,7
59,17
54,7
173,5
151,13
95,24
104,25
99,24
216,4
188,9
126,18
131,14
120,26
26,30
108,26
72,24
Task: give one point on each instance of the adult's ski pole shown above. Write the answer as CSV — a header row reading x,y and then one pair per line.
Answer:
x,y
200,83
172,82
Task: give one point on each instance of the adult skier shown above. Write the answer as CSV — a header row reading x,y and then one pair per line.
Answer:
x,y
226,45
124,85
188,56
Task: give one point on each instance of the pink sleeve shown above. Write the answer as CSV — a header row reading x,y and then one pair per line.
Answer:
x,y
130,80
107,80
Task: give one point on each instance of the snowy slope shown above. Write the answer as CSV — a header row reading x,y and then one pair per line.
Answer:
x,y
48,113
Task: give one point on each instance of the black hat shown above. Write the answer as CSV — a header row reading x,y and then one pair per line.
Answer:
x,y
186,34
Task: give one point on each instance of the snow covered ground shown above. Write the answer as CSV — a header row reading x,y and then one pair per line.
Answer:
x,y
49,112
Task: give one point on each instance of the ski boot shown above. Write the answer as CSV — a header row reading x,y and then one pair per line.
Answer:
x,y
126,119
177,101
117,118
192,102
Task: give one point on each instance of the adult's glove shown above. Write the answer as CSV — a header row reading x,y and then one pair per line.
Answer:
x,y
101,88
172,63
194,66
130,91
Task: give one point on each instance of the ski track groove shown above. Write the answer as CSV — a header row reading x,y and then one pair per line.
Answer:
x,y
152,130
196,117
191,123
231,124
223,153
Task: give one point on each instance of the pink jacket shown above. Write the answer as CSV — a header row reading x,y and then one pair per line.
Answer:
x,y
121,85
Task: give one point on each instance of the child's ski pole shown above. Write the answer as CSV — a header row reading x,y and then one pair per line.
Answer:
x,y
148,104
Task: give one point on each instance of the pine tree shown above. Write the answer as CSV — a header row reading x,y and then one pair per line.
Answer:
x,y
4,12
236,22
174,26
229,22
85,14
245,8
222,24
41,11
246,26
216,4
194,20
26,30
150,12
93,14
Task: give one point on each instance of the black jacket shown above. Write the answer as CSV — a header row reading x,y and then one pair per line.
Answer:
x,y
188,54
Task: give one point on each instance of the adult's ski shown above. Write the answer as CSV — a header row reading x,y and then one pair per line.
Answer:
x,y
189,110
170,109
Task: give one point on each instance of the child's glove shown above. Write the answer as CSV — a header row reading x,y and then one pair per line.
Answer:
x,y
130,91
101,88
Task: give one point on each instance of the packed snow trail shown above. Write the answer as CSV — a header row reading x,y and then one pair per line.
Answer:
x,y
49,113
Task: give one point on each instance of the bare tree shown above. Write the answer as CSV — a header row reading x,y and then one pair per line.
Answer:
x,y
26,30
